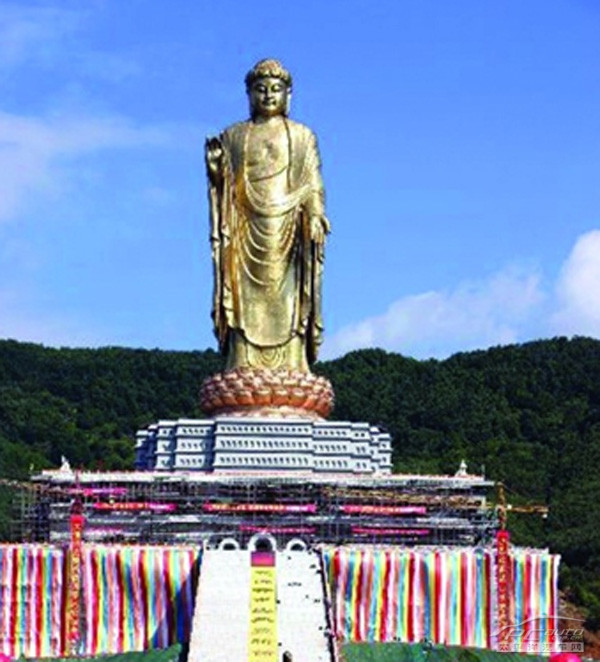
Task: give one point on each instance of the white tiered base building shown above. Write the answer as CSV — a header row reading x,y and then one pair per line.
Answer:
x,y
282,445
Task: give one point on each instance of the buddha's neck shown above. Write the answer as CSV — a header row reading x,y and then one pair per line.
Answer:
x,y
261,119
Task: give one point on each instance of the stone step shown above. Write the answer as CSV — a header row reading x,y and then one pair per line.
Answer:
x,y
220,629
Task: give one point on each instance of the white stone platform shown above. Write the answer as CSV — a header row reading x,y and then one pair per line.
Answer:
x,y
222,614
264,444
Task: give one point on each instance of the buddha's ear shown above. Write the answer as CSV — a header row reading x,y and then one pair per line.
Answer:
x,y
251,109
288,101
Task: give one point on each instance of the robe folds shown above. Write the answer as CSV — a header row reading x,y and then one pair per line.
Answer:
x,y
267,270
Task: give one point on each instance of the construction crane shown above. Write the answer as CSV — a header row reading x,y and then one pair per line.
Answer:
x,y
504,507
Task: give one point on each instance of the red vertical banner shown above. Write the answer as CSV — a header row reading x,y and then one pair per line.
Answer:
x,y
503,579
74,584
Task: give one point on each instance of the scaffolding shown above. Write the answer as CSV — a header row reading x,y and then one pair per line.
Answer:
x,y
181,507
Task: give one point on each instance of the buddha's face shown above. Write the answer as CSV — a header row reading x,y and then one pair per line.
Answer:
x,y
268,97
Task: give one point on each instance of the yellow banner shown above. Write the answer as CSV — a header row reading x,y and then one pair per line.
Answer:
x,y
262,643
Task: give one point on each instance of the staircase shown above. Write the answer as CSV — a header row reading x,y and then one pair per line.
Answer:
x,y
303,624
221,624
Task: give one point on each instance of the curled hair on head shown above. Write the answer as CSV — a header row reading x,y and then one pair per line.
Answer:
x,y
268,68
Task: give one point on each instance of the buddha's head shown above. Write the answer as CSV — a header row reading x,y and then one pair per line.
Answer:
x,y
269,88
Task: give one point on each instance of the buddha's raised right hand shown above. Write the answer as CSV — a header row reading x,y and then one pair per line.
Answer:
x,y
213,153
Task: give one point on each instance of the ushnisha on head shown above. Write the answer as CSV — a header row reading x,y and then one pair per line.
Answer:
x,y
269,88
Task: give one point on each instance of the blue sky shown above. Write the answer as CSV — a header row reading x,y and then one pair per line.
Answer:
x,y
460,147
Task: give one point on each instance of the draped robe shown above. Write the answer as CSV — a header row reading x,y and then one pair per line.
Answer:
x,y
268,271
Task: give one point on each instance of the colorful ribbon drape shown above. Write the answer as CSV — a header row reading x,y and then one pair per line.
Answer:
x,y
405,595
534,604
447,596
136,598
133,598
32,601
141,597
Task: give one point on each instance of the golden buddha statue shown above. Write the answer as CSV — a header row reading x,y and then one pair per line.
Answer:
x,y
268,228
267,231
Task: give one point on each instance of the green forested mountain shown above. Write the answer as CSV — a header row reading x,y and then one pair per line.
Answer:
x,y
529,414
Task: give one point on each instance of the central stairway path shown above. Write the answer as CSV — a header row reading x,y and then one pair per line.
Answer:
x,y
221,624
303,625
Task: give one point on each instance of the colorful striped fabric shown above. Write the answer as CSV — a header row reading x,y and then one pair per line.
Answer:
x,y
133,598
535,601
32,601
141,597
405,595
447,596
136,598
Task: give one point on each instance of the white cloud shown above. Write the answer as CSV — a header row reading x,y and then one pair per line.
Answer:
x,y
108,66
510,306
57,330
578,289
438,323
38,155
48,37
158,196
33,34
